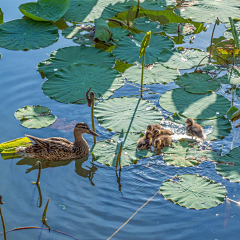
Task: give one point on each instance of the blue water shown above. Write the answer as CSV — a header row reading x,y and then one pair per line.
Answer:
x,y
87,200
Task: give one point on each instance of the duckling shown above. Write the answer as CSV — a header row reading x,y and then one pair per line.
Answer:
x,y
162,141
158,132
194,130
153,127
145,142
56,148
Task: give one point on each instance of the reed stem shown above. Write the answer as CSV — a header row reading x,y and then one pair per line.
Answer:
x,y
142,73
92,115
217,20
3,223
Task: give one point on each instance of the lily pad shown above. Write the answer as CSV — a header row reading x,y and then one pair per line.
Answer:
x,y
71,84
10,145
35,116
182,58
121,66
102,31
45,10
232,77
197,83
145,24
208,11
180,28
25,34
207,106
221,126
106,151
193,191
132,45
157,5
156,73
126,114
70,56
229,165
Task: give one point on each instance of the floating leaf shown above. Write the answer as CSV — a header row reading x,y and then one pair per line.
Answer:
x,y
70,56
197,83
45,10
145,24
25,34
208,11
102,31
182,59
121,66
229,165
71,84
10,145
128,45
207,106
106,151
232,77
183,28
35,116
126,114
157,5
231,111
193,191
221,126
152,74
235,116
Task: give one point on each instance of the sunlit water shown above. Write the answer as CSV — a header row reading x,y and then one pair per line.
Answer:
x,y
88,200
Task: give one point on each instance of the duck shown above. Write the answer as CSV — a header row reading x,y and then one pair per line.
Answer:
x,y
162,141
153,127
194,130
57,148
158,132
145,142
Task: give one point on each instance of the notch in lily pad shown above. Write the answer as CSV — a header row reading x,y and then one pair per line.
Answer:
x,y
35,116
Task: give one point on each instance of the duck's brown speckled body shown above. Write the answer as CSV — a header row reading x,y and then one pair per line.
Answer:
x,y
194,130
152,127
162,141
56,148
157,133
145,142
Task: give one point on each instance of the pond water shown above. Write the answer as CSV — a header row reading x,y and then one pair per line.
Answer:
x,y
86,199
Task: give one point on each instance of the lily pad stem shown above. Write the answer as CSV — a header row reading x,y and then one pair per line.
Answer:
x,y
3,223
216,22
92,115
39,171
119,157
142,73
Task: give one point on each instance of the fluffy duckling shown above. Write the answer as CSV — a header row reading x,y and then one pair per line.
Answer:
x,y
145,142
162,141
158,132
153,127
194,130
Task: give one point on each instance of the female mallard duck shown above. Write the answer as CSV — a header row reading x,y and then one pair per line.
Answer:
x,y
162,141
145,142
56,148
194,130
158,132
153,127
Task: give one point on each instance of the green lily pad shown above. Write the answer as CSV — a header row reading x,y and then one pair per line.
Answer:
x,y
106,151
232,77
208,11
221,126
128,45
152,74
45,10
207,106
121,66
35,116
145,24
193,191
182,59
70,56
126,114
229,165
71,84
157,5
102,31
25,34
231,111
197,83
228,32
11,145
183,28
182,154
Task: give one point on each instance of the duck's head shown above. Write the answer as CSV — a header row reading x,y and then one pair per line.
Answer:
x,y
148,134
190,121
156,132
157,143
82,128
149,127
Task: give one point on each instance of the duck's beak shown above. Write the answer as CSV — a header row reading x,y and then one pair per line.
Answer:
x,y
92,133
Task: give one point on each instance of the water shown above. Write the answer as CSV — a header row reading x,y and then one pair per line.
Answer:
x,y
88,200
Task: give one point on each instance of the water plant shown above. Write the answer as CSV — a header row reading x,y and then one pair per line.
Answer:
x,y
3,223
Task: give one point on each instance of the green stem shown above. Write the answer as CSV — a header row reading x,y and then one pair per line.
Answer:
x,y
212,38
92,115
3,223
138,6
234,54
142,72
39,171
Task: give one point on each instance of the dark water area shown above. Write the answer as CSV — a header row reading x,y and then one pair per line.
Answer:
x,y
86,199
